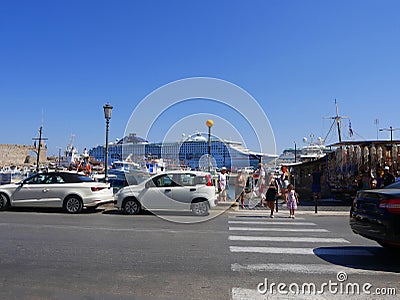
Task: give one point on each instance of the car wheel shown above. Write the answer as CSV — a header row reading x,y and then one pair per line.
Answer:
x,y
200,208
131,207
73,205
3,202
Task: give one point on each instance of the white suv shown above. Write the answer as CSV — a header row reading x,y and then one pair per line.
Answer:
x,y
173,190
69,190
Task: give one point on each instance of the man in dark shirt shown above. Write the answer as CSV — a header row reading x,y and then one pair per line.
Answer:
x,y
388,177
316,183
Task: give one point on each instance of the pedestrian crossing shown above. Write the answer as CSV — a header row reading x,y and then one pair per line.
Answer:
x,y
283,229
291,239
269,239
275,223
299,268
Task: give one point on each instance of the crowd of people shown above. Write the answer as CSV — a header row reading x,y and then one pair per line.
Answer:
x,y
267,187
367,180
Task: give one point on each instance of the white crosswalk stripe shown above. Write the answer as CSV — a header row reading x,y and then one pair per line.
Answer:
x,y
276,229
273,223
232,216
245,294
287,239
299,251
301,269
272,250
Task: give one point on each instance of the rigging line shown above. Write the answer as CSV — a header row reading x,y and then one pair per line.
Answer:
x,y
355,132
330,129
363,138
323,129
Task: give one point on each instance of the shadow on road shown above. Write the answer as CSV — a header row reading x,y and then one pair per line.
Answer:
x,y
47,210
116,212
359,257
152,213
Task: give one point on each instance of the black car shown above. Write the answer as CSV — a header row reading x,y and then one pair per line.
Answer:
x,y
375,214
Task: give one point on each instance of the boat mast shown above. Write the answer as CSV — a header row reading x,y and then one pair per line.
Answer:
x,y
40,139
336,120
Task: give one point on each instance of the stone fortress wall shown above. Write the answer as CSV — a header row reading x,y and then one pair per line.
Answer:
x,y
20,154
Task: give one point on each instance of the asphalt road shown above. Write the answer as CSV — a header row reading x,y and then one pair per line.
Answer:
x,y
105,255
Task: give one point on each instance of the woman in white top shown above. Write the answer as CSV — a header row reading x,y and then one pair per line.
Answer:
x,y
261,183
222,183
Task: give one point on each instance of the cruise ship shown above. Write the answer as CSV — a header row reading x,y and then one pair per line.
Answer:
x,y
190,152
309,152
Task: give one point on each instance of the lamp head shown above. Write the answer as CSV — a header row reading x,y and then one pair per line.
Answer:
x,y
107,111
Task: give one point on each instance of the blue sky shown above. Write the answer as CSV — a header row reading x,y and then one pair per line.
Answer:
x,y
61,61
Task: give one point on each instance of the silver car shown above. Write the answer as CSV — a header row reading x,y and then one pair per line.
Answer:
x,y
174,190
71,191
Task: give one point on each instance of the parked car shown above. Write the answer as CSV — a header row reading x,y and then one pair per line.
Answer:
x,y
71,191
174,190
375,214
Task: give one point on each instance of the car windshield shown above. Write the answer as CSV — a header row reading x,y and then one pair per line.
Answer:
x,y
395,185
136,178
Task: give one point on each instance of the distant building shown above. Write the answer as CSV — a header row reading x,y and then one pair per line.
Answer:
x,y
190,152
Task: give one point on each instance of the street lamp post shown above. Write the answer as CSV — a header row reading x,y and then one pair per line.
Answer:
x,y
391,129
295,161
107,115
376,122
209,124
59,157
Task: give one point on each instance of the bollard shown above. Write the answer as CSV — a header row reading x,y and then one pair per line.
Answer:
x,y
316,204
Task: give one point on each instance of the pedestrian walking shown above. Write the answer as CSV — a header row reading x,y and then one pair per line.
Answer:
x,y
284,181
379,177
240,185
292,200
222,184
271,193
261,183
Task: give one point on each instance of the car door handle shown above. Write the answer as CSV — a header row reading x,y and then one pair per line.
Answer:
x,y
168,190
192,190
45,190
